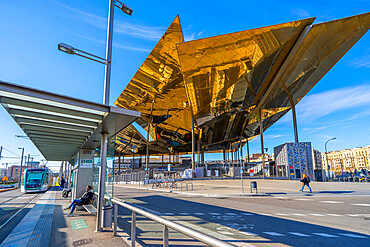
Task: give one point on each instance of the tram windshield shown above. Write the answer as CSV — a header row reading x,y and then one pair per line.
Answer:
x,y
34,179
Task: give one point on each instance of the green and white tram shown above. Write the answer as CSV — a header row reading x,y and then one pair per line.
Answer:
x,y
36,180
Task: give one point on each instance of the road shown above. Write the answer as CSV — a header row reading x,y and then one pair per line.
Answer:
x,y
298,219
14,205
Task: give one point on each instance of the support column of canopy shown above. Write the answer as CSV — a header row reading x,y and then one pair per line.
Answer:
x,y
262,147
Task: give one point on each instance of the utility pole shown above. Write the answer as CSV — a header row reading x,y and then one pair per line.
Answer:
x,y
20,171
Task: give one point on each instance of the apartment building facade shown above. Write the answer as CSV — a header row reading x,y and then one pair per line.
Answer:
x,y
347,160
293,159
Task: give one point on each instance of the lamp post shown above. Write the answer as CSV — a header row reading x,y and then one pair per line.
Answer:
x,y
20,171
107,61
326,154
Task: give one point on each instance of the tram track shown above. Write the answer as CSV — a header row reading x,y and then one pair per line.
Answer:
x,y
9,213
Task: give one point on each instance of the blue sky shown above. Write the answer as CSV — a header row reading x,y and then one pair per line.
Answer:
x,y
338,106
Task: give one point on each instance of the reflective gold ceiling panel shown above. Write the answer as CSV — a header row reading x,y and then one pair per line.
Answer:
x,y
233,70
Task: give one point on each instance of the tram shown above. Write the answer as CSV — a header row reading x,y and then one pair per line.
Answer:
x,y
36,180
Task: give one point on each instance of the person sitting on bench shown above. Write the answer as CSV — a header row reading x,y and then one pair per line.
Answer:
x,y
86,198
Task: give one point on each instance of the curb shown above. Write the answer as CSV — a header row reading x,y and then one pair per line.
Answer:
x,y
198,194
8,189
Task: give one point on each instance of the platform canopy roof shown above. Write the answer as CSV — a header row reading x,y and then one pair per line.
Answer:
x,y
225,81
59,125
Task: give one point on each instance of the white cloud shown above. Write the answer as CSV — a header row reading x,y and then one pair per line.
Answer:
x,y
360,63
139,31
301,13
114,44
318,105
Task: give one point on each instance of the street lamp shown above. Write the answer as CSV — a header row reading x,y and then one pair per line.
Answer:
x,y
107,62
326,154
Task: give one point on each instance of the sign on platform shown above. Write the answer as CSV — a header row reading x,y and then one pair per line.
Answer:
x,y
86,163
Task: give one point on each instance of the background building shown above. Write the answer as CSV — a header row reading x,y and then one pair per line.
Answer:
x,y
319,173
347,160
293,159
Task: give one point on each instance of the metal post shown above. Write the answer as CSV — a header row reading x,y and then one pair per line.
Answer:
x,y
20,171
295,124
241,164
119,163
198,142
103,168
28,160
147,150
133,229
115,219
262,147
1,151
192,144
108,53
165,236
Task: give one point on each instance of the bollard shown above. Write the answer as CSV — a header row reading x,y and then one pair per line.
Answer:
x,y
115,219
165,236
133,229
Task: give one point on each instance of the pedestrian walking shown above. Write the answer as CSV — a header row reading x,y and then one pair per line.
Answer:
x,y
305,182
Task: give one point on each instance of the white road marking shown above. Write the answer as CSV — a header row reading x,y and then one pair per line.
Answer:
x,y
335,215
331,202
274,234
199,213
304,199
299,214
325,235
354,215
225,233
281,214
168,213
230,213
248,233
214,213
364,205
351,235
299,234
246,214
263,214
184,213
280,197
317,214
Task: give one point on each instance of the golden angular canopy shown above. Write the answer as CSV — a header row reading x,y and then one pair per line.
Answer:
x,y
223,81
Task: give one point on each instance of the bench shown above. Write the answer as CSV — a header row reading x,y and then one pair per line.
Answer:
x,y
90,208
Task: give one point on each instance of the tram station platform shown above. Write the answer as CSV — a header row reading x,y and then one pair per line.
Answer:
x,y
46,224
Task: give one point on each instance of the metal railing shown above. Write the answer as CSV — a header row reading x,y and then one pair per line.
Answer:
x,y
166,223
130,177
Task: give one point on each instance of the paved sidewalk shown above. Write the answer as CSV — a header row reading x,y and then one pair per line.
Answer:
x,y
265,187
46,225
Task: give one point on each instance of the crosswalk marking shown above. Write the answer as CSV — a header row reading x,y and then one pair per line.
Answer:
x,y
325,235
265,214
214,213
184,213
299,234
317,214
230,213
354,215
364,205
281,214
303,199
246,214
335,215
299,214
168,213
199,213
331,202
352,235
274,234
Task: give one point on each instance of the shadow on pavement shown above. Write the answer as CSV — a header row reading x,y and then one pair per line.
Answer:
x,y
232,224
